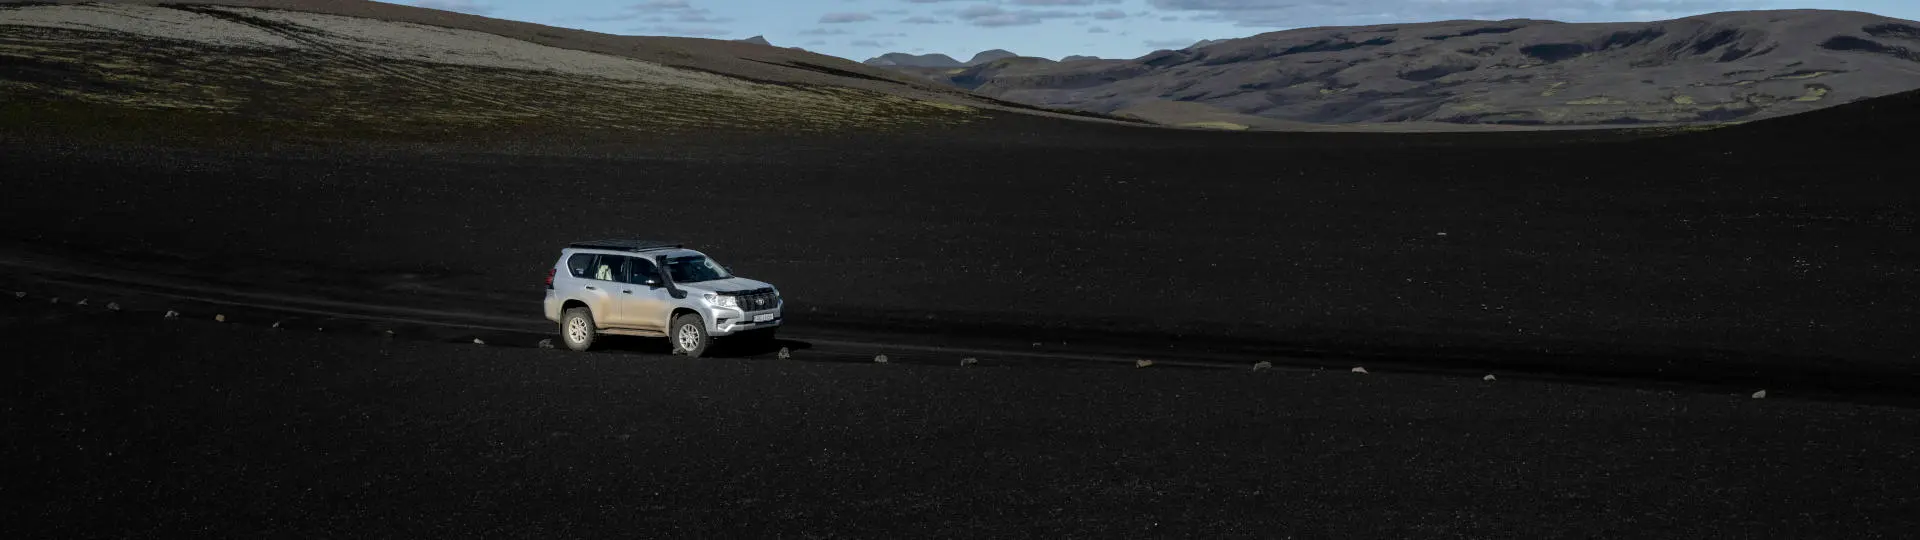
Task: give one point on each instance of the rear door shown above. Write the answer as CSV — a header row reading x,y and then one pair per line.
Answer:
x,y
640,305
589,279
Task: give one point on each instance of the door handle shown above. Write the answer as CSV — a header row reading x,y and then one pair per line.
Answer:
x,y
591,288
626,292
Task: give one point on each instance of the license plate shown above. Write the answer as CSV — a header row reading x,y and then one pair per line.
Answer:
x,y
763,317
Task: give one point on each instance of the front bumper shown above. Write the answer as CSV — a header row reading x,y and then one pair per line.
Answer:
x,y
727,321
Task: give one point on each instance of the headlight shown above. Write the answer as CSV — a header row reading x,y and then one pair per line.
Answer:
x,y
722,301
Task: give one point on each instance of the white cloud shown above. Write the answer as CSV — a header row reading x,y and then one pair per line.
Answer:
x,y
840,18
993,16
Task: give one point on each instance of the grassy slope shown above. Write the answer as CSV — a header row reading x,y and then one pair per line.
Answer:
x,y
63,79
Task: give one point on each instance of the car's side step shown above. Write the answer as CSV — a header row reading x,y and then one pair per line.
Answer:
x,y
631,332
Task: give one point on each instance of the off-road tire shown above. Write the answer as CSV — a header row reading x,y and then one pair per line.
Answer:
x,y
580,336
689,336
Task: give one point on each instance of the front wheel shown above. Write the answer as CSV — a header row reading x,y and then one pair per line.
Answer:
x,y
690,336
576,328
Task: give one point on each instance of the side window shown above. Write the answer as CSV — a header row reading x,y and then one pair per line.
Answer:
x,y
642,270
610,268
580,265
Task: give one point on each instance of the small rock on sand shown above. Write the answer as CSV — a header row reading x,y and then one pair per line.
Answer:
x,y
1360,370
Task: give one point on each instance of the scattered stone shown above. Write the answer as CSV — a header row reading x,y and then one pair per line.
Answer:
x,y
881,359
1142,363
1440,234
1262,365
82,303
476,341
1760,395
20,294
113,306
219,318
546,343
276,324
172,314
1489,377
388,333
1360,370
56,300
785,354
968,361
1036,344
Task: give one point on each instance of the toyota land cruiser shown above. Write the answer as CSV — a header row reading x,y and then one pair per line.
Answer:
x,y
655,289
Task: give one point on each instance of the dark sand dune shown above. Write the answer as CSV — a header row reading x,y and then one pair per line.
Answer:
x,y
1745,249
1776,255
191,428
1778,245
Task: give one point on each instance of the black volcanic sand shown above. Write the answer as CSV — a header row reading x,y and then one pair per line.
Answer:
x,y
124,426
1784,245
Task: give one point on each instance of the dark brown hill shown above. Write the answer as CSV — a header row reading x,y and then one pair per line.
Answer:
x,y
1707,69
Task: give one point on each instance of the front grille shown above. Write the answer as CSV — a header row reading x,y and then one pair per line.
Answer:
x,y
759,301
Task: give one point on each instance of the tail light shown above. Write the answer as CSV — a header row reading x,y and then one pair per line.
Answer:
x,y
550,272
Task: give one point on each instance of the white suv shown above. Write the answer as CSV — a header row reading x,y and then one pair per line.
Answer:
x,y
617,287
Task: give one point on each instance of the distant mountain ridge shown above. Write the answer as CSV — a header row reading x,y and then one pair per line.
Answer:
x,y
913,61
1705,69
936,60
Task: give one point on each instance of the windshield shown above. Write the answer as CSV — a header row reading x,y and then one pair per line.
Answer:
x,y
695,270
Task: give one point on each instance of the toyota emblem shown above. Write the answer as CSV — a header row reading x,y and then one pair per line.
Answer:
x,y
759,301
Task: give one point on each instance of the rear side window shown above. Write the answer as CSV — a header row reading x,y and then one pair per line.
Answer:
x,y
609,268
580,265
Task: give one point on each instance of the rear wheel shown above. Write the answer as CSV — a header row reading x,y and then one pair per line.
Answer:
x,y
576,328
689,336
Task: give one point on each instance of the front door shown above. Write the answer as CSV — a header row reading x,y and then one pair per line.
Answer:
x,y
638,304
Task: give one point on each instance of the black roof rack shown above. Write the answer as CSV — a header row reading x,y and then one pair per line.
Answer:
x,y
625,245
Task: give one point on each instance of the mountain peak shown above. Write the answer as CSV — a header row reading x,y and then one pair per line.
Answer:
x,y
756,40
989,56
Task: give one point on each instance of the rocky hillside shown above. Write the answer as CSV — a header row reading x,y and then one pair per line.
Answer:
x,y
1711,68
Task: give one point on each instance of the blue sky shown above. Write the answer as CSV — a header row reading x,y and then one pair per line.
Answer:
x,y
861,29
